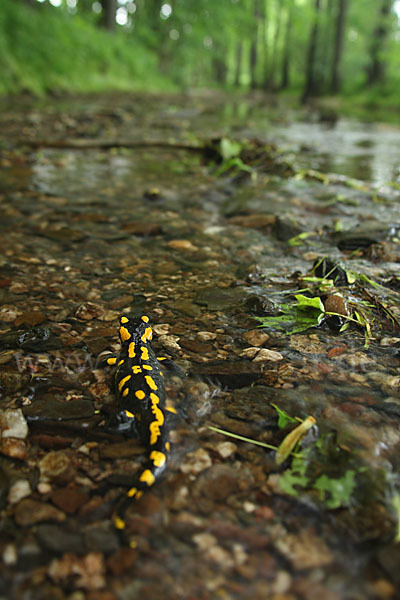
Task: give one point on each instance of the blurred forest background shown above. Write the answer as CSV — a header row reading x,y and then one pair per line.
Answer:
x,y
301,48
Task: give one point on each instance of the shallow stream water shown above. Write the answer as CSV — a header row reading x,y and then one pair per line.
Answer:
x,y
90,234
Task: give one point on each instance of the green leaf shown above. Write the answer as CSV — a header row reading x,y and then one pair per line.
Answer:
x,y
296,476
283,417
297,240
229,148
339,490
292,439
306,302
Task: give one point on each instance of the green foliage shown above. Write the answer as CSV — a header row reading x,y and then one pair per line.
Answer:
x,y
283,417
308,312
44,49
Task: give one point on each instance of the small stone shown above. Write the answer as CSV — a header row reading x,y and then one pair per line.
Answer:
x,y
256,337
19,489
170,342
266,355
88,570
8,314
29,512
206,336
14,448
305,550
89,311
161,328
57,466
204,540
185,245
122,560
249,352
10,555
13,424
30,317
69,500
195,462
226,449
389,341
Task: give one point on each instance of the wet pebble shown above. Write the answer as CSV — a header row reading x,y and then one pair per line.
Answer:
x,y
101,538
13,424
19,489
69,500
206,336
89,311
13,448
256,337
225,449
182,245
195,462
170,342
59,539
265,355
305,550
29,512
122,561
57,466
88,571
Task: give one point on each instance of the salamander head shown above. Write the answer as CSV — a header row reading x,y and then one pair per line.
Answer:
x,y
137,329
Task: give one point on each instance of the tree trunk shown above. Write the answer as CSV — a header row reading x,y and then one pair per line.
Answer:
x,y
238,63
274,57
377,68
311,84
109,11
285,78
335,85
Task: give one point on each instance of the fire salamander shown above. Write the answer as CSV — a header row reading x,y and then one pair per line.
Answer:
x,y
140,388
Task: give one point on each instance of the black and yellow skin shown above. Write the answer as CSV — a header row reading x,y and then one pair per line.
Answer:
x,y
140,389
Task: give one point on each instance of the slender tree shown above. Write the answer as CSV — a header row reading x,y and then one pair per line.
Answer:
x,y
238,63
285,76
376,70
335,84
311,85
109,10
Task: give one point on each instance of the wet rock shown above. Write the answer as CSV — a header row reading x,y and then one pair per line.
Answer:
x,y
328,269
256,337
36,339
57,466
230,374
102,539
10,555
265,355
286,228
29,512
122,561
59,540
13,424
49,410
142,229
305,550
254,221
69,500
364,236
30,555
307,344
206,336
89,311
195,346
182,245
19,489
225,449
216,298
219,482
88,572
13,448
195,462
31,318
170,343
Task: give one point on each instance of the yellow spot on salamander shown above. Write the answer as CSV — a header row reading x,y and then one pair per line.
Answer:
x,y
111,361
136,369
132,544
150,382
125,393
167,446
148,477
171,409
155,425
147,367
145,353
132,492
121,362
129,414
131,350
124,319
124,334
158,458
139,495
123,382
145,318
140,394
119,523
148,334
